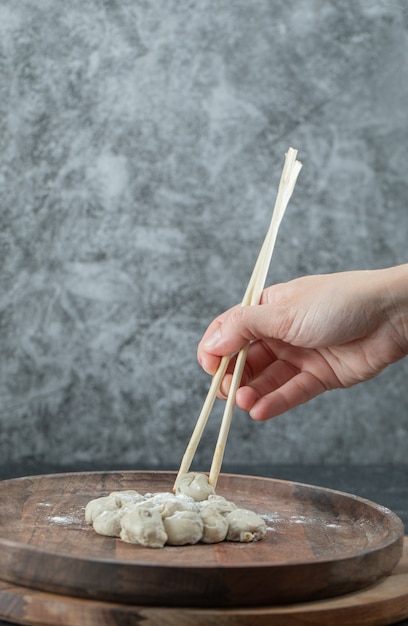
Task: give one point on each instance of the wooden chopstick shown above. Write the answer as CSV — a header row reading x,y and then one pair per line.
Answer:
x,y
251,297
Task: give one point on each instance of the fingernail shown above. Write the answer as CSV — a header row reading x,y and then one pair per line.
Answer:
x,y
213,340
225,385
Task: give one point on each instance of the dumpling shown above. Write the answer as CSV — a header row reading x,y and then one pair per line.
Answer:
x,y
183,528
215,525
143,525
168,500
194,485
171,506
98,506
245,526
220,504
125,498
109,522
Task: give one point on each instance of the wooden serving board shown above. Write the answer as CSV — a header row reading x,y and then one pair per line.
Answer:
x,y
382,604
320,543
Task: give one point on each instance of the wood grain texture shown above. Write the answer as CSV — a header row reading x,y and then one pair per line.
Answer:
x,y
382,604
320,543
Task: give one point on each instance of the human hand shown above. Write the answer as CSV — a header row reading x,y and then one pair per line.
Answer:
x,y
311,335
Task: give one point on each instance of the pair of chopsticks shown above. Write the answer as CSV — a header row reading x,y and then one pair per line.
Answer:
x,y
252,296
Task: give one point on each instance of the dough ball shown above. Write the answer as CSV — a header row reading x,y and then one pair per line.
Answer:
x,y
109,523
194,485
245,526
183,527
215,525
167,498
143,525
125,498
220,504
167,509
158,495
98,506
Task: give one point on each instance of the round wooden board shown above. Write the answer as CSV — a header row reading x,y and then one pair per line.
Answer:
x,y
382,604
320,543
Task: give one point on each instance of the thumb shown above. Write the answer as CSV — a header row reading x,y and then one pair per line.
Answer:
x,y
243,324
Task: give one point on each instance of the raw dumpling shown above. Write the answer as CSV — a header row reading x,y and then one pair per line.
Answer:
x,y
220,504
245,526
215,525
183,528
194,485
109,523
169,503
143,525
98,506
169,508
125,498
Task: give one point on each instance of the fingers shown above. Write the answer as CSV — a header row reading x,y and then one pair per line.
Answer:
x,y
231,331
275,391
273,383
297,390
270,379
279,377
240,325
208,358
258,367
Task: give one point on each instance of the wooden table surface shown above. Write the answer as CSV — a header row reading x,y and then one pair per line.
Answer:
x,y
383,484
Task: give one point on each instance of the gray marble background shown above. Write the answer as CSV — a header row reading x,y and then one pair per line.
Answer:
x,y
141,143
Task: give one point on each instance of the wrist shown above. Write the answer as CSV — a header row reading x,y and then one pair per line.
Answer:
x,y
394,288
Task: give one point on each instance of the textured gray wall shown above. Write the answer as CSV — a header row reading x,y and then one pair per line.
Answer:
x,y
141,144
